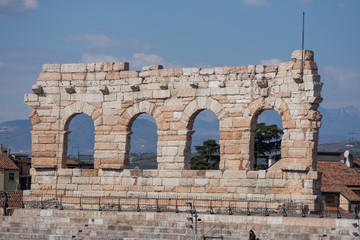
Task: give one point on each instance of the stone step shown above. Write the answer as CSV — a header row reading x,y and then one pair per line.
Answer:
x,y
39,227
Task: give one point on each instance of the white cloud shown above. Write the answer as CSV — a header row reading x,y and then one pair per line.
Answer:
x,y
93,58
136,45
208,116
96,41
341,87
11,7
270,62
139,60
341,6
255,2
102,42
136,61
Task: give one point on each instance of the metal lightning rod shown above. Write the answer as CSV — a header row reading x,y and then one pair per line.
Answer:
x,y
302,45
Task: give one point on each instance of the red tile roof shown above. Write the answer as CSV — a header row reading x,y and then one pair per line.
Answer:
x,y
6,162
337,177
69,161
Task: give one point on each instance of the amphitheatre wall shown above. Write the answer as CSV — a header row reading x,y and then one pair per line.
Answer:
x,y
114,97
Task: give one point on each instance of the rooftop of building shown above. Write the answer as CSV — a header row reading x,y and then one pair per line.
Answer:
x,y
5,161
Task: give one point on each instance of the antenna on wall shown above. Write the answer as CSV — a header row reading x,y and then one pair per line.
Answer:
x,y
5,131
302,45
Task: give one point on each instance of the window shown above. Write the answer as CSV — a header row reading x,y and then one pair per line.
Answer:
x,y
267,139
205,141
331,199
11,177
80,142
143,143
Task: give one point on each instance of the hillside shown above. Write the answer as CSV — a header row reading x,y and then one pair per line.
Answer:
x,y
336,126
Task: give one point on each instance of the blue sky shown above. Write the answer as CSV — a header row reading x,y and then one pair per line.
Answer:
x,y
187,33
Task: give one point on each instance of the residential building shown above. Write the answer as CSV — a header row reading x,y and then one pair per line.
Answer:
x,y
9,172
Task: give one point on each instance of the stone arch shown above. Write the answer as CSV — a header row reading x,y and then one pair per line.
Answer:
x,y
199,104
259,105
76,108
132,112
66,115
255,108
128,117
188,117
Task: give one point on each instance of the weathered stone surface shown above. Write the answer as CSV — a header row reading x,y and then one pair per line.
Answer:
x,y
114,97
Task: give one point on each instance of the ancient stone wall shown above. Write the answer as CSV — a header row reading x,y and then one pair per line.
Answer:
x,y
82,224
114,97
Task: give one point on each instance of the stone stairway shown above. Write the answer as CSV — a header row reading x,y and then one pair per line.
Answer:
x,y
67,224
111,225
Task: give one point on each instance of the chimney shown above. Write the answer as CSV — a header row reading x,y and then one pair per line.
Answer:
x,y
271,161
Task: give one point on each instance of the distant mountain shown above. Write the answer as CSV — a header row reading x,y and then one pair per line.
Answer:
x,y
15,135
338,123
336,126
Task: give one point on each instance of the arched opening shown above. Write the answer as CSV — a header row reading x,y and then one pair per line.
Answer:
x,y
143,143
204,139
267,131
79,142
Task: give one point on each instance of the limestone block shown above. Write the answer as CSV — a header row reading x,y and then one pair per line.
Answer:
x,y
186,92
49,76
214,84
218,91
207,71
31,98
190,71
145,181
110,180
74,67
169,174
199,182
73,187
45,179
99,67
144,74
128,181
260,69
51,67
65,172
231,182
251,68
265,183
121,66
135,81
262,174
100,76
171,182
307,55
158,182
270,75
213,174
161,94
77,172
90,67
234,174
80,180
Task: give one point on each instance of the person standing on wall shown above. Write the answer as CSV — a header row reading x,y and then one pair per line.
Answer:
x,y
252,235
5,197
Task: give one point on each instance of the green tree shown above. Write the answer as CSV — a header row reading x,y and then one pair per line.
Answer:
x,y
207,156
267,142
